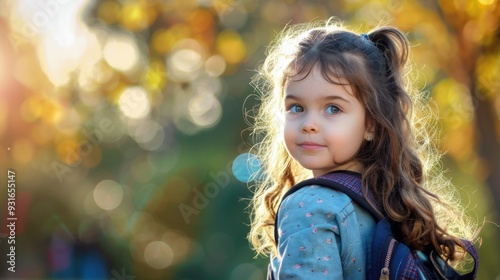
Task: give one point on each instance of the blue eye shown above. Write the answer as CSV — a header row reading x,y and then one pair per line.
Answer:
x,y
296,108
332,109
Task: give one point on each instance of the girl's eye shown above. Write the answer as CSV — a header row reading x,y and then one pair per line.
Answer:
x,y
295,108
332,109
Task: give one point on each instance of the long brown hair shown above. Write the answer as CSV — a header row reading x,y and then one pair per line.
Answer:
x,y
401,166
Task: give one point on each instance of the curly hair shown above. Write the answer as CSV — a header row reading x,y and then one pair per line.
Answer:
x,y
401,165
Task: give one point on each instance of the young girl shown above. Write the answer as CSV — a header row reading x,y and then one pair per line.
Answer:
x,y
333,100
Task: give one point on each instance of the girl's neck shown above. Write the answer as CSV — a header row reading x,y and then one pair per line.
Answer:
x,y
352,166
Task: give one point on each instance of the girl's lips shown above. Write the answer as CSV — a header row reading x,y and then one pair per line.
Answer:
x,y
310,145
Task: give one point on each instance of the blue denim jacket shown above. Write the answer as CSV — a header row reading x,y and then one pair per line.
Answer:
x,y
322,235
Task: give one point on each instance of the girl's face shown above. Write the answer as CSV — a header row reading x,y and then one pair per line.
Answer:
x,y
324,125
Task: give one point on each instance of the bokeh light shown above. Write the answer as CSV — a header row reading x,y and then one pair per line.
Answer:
x,y
155,76
158,255
186,60
231,46
149,135
138,15
208,85
246,167
486,2
180,244
121,52
108,194
215,66
205,110
64,37
134,103
164,39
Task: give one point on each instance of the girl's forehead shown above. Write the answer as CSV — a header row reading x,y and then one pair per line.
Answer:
x,y
316,72
316,83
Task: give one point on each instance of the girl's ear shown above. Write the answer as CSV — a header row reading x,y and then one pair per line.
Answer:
x,y
370,129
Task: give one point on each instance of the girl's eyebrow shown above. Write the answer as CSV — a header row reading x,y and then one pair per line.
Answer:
x,y
329,97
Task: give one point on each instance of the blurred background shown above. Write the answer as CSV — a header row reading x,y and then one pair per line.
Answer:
x,y
124,123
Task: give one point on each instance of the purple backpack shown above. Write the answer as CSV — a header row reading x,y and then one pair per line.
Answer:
x,y
391,258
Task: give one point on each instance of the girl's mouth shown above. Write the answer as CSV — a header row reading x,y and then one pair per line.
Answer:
x,y
309,145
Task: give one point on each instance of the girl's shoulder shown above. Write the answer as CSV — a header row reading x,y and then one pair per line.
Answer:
x,y
316,198
316,206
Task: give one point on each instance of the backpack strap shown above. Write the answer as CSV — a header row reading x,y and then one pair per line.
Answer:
x,y
347,182
447,272
471,249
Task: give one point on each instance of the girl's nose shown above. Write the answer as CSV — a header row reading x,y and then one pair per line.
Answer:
x,y
309,125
